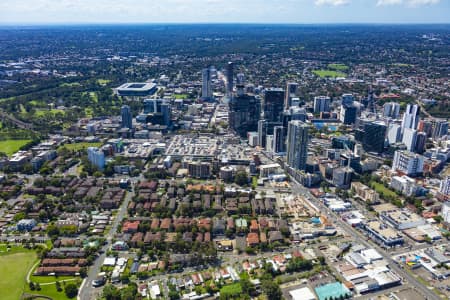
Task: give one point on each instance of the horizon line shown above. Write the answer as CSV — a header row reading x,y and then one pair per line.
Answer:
x,y
23,24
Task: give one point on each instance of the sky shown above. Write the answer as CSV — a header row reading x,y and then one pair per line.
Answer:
x,y
223,11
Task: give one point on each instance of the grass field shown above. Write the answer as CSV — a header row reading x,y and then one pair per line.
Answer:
x,y
378,187
80,146
94,96
70,84
49,290
338,67
12,146
41,113
103,81
328,73
16,265
181,96
232,289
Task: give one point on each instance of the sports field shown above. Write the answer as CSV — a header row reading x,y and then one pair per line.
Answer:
x,y
13,269
12,146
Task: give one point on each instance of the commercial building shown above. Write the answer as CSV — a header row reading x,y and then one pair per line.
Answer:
x,y
321,104
297,145
262,132
348,114
347,99
402,219
342,177
421,141
230,72
279,139
273,104
127,117
266,171
244,112
373,136
383,234
96,157
291,92
408,163
207,92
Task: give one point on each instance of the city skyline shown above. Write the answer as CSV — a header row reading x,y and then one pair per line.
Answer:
x,y
220,11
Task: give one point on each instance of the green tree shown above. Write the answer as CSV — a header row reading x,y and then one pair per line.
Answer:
x,y
71,290
241,178
271,289
110,292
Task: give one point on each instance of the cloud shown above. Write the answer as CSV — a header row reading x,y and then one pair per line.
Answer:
x,y
412,3
422,2
388,2
332,2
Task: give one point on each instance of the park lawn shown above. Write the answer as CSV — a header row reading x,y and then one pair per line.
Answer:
x,y
380,188
232,289
12,146
80,146
70,84
402,65
328,73
41,113
94,96
89,112
338,67
103,81
181,96
16,265
49,290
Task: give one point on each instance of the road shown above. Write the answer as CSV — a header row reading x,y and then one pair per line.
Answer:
x,y
87,291
358,238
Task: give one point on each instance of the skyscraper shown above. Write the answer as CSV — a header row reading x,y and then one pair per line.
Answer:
x,y
409,139
166,111
96,157
207,93
444,188
273,104
391,110
127,118
291,92
348,114
279,139
411,117
394,133
421,141
262,132
230,71
347,99
297,145
321,104
244,112
373,136
440,129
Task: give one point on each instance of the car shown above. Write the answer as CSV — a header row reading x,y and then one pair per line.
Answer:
x,y
99,280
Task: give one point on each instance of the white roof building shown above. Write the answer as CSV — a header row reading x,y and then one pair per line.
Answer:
x,y
302,294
